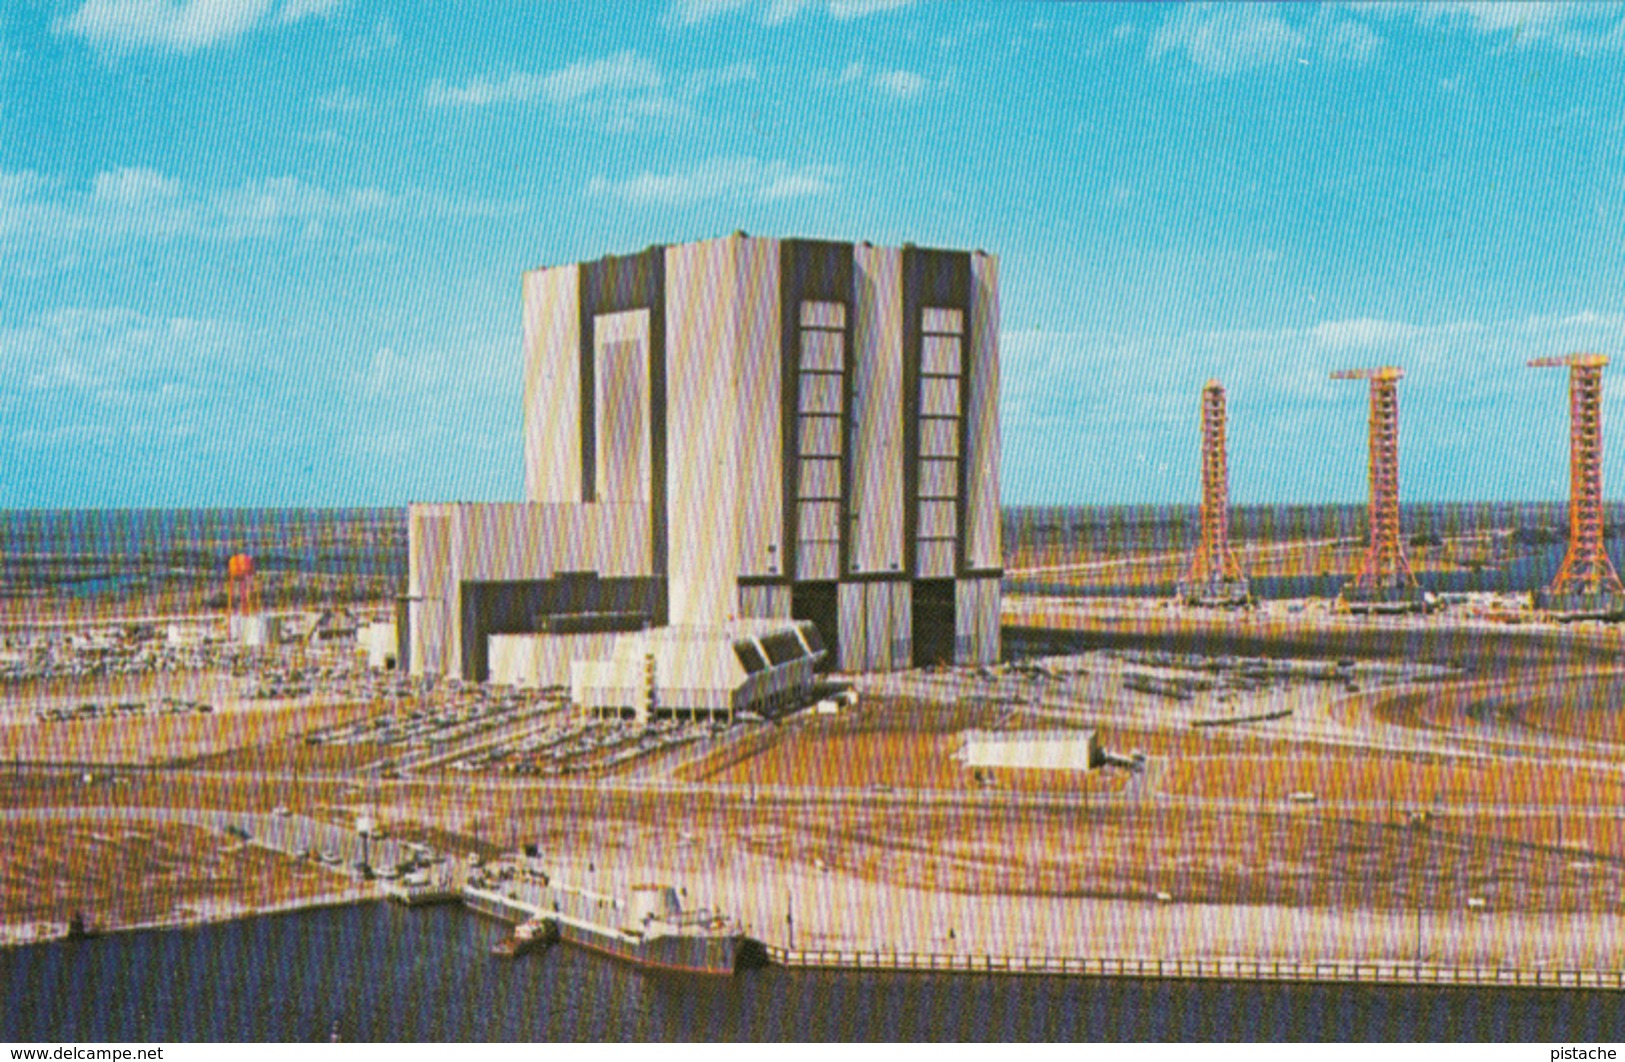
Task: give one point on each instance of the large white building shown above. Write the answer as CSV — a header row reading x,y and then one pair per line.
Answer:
x,y
742,428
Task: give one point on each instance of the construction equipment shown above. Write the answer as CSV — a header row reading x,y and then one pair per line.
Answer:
x,y
1384,581
1214,577
1586,585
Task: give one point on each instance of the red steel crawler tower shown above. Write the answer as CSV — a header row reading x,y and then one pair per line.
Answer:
x,y
1215,575
1385,573
1587,573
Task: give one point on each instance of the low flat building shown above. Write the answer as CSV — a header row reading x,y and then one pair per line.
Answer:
x,y
1033,750
701,673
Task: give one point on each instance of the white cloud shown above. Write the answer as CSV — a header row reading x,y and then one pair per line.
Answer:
x,y
621,92
702,81
136,202
1577,28
743,178
1229,39
115,356
183,26
895,83
902,84
777,12
1295,432
343,99
620,73
294,10
1362,332
133,185
845,9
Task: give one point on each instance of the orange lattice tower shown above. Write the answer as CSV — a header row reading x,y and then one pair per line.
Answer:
x,y
1587,582
1214,577
1384,581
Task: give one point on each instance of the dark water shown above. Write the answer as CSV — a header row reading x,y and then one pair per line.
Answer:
x,y
383,973
103,543
92,553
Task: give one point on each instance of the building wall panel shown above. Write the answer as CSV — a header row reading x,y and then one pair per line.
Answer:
x,y
880,604
552,384
758,368
877,397
976,621
935,558
764,602
818,560
703,417
983,545
621,407
854,636
901,612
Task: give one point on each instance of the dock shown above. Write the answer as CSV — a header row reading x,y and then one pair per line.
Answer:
x,y
421,894
1381,973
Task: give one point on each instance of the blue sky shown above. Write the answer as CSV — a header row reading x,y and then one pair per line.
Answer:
x,y
267,252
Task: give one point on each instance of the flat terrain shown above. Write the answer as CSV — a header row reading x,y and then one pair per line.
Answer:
x,y
1450,761
160,739
134,873
1105,567
883,745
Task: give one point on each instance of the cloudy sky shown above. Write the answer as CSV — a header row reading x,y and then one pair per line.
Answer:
x,y
267,252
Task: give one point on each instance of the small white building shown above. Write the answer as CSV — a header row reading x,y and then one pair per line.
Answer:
x,y
694,673
185,636
377,641
1036,750
255,630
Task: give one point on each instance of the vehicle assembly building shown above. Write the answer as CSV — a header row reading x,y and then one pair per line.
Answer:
x,y
734,430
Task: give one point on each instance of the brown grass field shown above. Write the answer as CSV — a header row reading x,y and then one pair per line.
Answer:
x,y
129,873
1406,781
887,744
1085,569
165,739
1521,832
1582,707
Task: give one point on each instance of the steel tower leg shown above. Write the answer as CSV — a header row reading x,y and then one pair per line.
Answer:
x,y
1384,581
1214,577
1385,565
1586,569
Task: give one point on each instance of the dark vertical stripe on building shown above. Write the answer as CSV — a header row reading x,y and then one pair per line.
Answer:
x,y
939,279
824,271
614,285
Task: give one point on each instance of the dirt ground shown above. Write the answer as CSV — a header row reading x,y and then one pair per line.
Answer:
x,y
883,745
122,874
1584,707
167,738
1408,781
1085,569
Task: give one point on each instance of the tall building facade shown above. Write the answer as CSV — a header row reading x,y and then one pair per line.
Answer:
x,y
742,428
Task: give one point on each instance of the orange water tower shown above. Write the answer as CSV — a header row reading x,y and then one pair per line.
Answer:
x,y
242,593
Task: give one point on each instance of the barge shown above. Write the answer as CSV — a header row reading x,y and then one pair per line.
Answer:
x,y
649,928
526,936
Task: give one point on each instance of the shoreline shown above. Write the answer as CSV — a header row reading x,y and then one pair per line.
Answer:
x,y
1381,972
1234,971
28,934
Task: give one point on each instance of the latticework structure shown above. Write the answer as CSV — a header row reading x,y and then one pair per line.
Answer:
x,y
1587,580
1214,576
